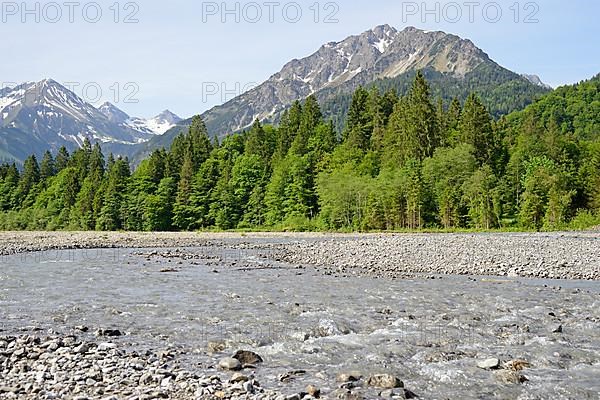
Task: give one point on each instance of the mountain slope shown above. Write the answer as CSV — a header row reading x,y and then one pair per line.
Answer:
x,y
40,116
574,108
384,57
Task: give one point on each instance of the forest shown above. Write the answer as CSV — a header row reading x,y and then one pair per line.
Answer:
x,y
412,162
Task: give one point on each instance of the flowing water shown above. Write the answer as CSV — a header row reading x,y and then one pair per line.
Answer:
x,y
430,333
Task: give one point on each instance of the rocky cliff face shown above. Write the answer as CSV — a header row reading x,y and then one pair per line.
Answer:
x,y
382,52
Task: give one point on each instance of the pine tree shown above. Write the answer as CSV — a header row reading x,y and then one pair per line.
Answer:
x,y
421,117
8,188
383,107
175,158
199,141
80,159
29,179
183,213
257,142
159,207
452,123
47,167
157,165
311,117
476,129
203,186
96,163
111,214
359,124
62,159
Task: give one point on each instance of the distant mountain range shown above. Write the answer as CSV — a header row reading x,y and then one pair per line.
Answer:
x,y
40,116
385,57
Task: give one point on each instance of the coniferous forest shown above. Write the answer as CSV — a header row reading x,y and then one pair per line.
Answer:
x,y
410,162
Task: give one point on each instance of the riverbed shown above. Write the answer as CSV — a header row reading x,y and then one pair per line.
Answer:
x,y
309,325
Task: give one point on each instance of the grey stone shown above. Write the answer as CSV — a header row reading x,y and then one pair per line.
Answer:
x,y
490,363
230,364
384,381
247,357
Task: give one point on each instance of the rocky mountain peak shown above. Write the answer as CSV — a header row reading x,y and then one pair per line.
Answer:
x,y
168,116
381,52
113,113
536,80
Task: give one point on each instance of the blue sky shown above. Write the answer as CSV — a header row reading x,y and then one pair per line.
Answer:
x,y
190,55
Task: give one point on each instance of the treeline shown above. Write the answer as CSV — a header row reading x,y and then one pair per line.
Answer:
x,y
406,162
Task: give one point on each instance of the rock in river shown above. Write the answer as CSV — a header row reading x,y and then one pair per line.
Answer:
x,y
491,363
247,357
230,364
384,381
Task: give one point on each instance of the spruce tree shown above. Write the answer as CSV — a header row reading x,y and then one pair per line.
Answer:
x,y
62,159
47,167
421,117
199,141
359,124
476,129
183,215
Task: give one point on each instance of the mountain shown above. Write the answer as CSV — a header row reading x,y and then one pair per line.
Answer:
x,y
383,57
153,126
382,52
114,114
45,115
157,125
536,80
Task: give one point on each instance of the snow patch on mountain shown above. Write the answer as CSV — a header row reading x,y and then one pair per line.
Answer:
x,y
382,45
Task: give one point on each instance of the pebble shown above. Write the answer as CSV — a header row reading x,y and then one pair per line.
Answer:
x,y
313,391
510,377
247,357
82,349
238,377
230,364
491,363
384,381
408,255
106,346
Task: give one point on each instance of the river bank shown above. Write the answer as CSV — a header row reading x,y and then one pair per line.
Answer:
x,y
572,255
